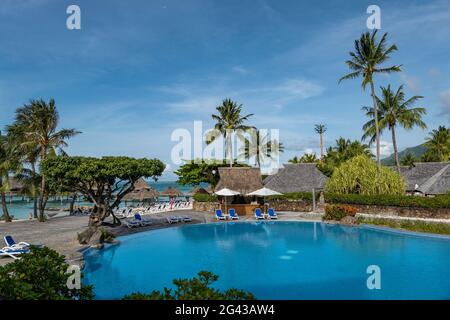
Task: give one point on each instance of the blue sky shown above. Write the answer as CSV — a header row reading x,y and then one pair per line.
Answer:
x,y
137,70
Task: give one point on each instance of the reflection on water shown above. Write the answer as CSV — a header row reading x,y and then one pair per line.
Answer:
x,y
279,260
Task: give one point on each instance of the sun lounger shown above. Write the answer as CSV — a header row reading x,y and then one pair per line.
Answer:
x,y
132,223
141,220
219,215
187,219
12,252
272,214
9,241
172,219
258,214
232,214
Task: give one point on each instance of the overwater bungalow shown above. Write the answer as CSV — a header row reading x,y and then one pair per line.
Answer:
x,y
142,192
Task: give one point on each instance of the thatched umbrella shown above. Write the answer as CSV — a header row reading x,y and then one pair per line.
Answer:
x,y
172,192
142,191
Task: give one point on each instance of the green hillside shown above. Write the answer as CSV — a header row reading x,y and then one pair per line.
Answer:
x,y
416,151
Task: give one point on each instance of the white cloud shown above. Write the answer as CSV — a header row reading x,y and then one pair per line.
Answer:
x,y
386,148
445,99
239,69
411,82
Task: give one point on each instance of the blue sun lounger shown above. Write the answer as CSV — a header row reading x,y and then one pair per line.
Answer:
x,y
232,214
258,214
272,214
141,220
219,215
12,253
9,241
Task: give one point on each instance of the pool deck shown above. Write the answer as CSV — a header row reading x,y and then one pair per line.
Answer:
x,y
60,233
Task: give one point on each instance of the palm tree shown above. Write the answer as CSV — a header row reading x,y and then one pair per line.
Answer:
x,y
393,109
38,122
27,154
320,129
308,158
408,160
4,175
259,146
365,62
438,143
228,120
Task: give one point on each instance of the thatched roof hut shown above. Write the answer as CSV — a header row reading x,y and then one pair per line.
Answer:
x,y
299,177
197,190
142,191
429,178
15,185
172,192
241,179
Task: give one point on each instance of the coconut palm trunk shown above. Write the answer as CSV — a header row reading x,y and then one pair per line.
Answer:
x,y
5,207
230,149
377,129
321,146
394,143
35,199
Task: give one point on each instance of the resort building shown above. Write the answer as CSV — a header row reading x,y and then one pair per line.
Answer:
x,y
241,179
427,178
299,177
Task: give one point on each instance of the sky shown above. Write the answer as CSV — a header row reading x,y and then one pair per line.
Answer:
x,y
138,70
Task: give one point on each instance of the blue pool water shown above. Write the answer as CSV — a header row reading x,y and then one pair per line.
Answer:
x,y
276,260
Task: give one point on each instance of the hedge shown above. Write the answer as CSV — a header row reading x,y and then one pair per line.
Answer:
x,y
442,201
338,211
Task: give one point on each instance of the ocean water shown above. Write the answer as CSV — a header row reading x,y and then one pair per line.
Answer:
x,y
21,209
276,260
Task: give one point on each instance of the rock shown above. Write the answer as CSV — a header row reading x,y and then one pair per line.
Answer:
x,y
92,235
349,220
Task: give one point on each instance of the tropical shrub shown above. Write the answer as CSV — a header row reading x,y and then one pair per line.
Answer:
x,y
361,175
204,198
197,288
337,212
39,275
441,201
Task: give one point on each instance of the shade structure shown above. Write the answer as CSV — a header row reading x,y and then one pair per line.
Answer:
x,y
264,192
197,190
142,191
172,192
226,192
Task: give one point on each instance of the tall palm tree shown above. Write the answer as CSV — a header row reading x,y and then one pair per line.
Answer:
x,y
320,130
28,155
365,61
438,143
393,110
38,122
228,120
408,160
259,146
4,175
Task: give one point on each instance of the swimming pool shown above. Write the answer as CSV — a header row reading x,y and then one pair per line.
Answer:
x,y
276,260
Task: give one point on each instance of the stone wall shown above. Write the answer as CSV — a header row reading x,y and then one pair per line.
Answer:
x,y
404,212
306,206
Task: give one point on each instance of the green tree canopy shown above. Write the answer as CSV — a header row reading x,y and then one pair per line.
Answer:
x,y
361,175
197,288
195,172
104,181
41,274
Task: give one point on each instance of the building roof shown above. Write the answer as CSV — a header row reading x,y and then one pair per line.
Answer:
x,y
141,192
172,192
427,177
241,179
198,190
299,177
15,185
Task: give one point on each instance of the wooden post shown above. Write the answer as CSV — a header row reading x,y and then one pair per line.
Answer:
x,y
314,199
